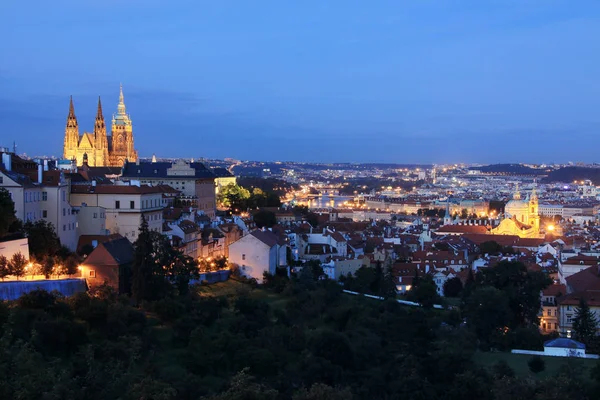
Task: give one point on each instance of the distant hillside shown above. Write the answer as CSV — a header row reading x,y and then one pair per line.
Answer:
x,y
510,169
570,174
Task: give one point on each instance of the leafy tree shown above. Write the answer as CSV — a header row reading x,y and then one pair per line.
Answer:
x,y
233,196
47,267
4,267
7,212
43,240
424,292
320,391
487,311
490,247
521,287
265,218
17,265
464,213
536,364
453,287
244,387
585,323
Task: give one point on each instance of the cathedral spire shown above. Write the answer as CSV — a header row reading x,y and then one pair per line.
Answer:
x,y
121,106
99,114
71,109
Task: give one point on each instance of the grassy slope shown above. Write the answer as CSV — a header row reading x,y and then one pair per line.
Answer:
x,y
518,362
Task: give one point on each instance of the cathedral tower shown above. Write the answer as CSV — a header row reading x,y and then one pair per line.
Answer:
x,y
534,217
71,134
122,135
100,139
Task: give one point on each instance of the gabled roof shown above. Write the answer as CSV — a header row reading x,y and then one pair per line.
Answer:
x,y
267,237
121,250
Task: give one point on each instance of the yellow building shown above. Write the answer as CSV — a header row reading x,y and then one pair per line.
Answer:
x,y
521,217
99,149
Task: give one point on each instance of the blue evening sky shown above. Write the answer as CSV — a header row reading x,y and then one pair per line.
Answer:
x,y
311,80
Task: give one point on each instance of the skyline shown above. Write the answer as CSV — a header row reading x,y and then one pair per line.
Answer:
x,y
512,81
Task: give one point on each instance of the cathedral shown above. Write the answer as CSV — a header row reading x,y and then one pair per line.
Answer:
x,y
521,217
97,148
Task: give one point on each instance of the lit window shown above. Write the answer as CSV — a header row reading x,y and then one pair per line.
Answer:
x,y
243,256
92,273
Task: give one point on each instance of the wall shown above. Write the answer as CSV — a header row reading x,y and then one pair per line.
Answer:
x,y
91,221
253,256
67,287
10,247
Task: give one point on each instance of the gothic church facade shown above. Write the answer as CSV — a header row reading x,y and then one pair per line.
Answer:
x,y
97,148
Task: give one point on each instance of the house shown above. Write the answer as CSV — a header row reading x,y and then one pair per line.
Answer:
x,y
110,262
576,264
549,313
124,206
256,253
40,194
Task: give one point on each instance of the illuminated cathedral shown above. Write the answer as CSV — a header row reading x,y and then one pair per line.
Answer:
x,y
99,149
521,217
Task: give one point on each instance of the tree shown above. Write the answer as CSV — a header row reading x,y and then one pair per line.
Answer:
x,y
233,196
424,292
521,287
17,265
143,265
43,240
4,267
265,219
244,387
7,212
490,247
319,391
536,364
453,287
48,266
585,323
487,311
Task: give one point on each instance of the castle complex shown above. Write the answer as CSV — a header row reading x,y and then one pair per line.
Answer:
x,y
97,148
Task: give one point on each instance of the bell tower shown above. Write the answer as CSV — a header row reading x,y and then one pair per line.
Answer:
x,y
71,134
534,217
122,135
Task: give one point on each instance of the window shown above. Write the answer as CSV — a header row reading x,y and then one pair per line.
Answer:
x,y
64,196
117,204
549,312
92,273
95,215
44,214
568,319
44,196
568,308
132,204
64,228
243,256
64,212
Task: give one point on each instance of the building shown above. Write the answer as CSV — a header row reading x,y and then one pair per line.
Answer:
x,y
549,313
98,148
110,263
195,182
256,253
124,205
39,194
222,178
521,217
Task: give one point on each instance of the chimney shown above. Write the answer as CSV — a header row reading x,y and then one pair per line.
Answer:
x,y
40,173
45,165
